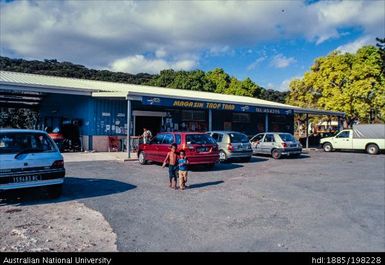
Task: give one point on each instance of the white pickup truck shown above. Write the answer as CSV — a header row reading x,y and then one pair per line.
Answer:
x,y
368,137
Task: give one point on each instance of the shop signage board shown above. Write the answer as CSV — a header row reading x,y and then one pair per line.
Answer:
x,y
192,104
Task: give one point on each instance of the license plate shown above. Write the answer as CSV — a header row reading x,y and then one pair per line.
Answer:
x,y
202,149
293,145
26,178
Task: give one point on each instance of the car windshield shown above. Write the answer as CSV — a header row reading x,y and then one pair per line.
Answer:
x,y
287,137
238,138
199,139
15,142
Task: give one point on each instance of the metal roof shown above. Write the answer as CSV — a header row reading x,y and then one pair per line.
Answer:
x,y
54,84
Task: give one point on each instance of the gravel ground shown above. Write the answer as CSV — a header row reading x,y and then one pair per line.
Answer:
x,y
64,226
319,202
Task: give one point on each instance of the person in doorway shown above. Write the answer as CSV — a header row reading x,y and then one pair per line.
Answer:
x,y
182,166
147,135
171,160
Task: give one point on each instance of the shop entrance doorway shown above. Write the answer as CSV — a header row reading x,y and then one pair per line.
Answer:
x,y
151,123
152,120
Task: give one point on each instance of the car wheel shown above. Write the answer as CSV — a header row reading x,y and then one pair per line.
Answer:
x,y
142,158
222,156
276,154
328,147
372,149
55,191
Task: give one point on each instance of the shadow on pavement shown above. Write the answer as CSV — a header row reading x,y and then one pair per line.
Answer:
x,y
217,167
253,159
262,156
74,188
205,184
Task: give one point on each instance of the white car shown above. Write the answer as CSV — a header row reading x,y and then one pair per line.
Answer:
x,y
30,158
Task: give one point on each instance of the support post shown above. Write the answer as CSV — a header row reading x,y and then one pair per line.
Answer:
x,y
307,130
266,122
339,123
128,145
210,120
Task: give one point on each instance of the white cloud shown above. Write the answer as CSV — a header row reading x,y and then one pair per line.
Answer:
x,y
281,61
253,65
139,64
352,47
160,53
284,85
97,33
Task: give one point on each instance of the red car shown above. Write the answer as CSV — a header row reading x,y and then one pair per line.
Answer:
x,y
200,148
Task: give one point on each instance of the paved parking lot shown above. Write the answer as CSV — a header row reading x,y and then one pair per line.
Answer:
x,y
319,202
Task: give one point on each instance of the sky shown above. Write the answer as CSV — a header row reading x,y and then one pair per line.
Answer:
x,y
272,42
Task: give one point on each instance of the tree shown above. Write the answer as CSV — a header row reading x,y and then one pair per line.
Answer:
x,y
351,83
274,95
243,88
381,45
220,79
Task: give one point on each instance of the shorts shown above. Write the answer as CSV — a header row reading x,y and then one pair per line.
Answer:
x,y
172,172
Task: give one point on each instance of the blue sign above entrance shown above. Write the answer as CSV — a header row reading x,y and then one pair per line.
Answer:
x,y
192,104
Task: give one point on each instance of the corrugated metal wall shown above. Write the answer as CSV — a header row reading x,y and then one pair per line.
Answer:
x,y
59,106
109,117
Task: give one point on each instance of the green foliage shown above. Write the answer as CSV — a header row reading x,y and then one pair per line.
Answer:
x,y
274,95
352,83
381,45
18,118
66,69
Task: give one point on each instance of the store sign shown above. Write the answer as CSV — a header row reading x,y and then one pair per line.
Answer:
x,y
192,104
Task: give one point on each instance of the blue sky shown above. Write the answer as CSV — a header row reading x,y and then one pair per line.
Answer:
x,y
271,42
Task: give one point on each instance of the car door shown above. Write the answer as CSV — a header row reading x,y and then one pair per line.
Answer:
x,y
256,143
152,150
268,143
218,137
165,147
343,140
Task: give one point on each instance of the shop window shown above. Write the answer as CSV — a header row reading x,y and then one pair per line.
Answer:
x,y
193,115
241,117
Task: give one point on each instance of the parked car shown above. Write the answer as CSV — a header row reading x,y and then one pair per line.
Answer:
x,y
200,148
276,144
368,137
232,145
30,158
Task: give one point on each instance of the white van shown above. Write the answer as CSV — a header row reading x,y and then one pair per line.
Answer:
x,y
30,158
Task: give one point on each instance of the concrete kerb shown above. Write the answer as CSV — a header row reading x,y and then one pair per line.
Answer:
x,y
98,156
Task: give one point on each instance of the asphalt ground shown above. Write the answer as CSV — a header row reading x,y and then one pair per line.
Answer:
x,y
318,202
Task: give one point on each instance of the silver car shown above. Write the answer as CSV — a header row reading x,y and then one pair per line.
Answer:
x,y
232,145
276,144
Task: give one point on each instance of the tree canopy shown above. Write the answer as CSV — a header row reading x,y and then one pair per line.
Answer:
x,y
352,83
217,81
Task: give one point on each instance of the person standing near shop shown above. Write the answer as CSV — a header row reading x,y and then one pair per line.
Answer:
x,y
182,169
147,135
172,161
